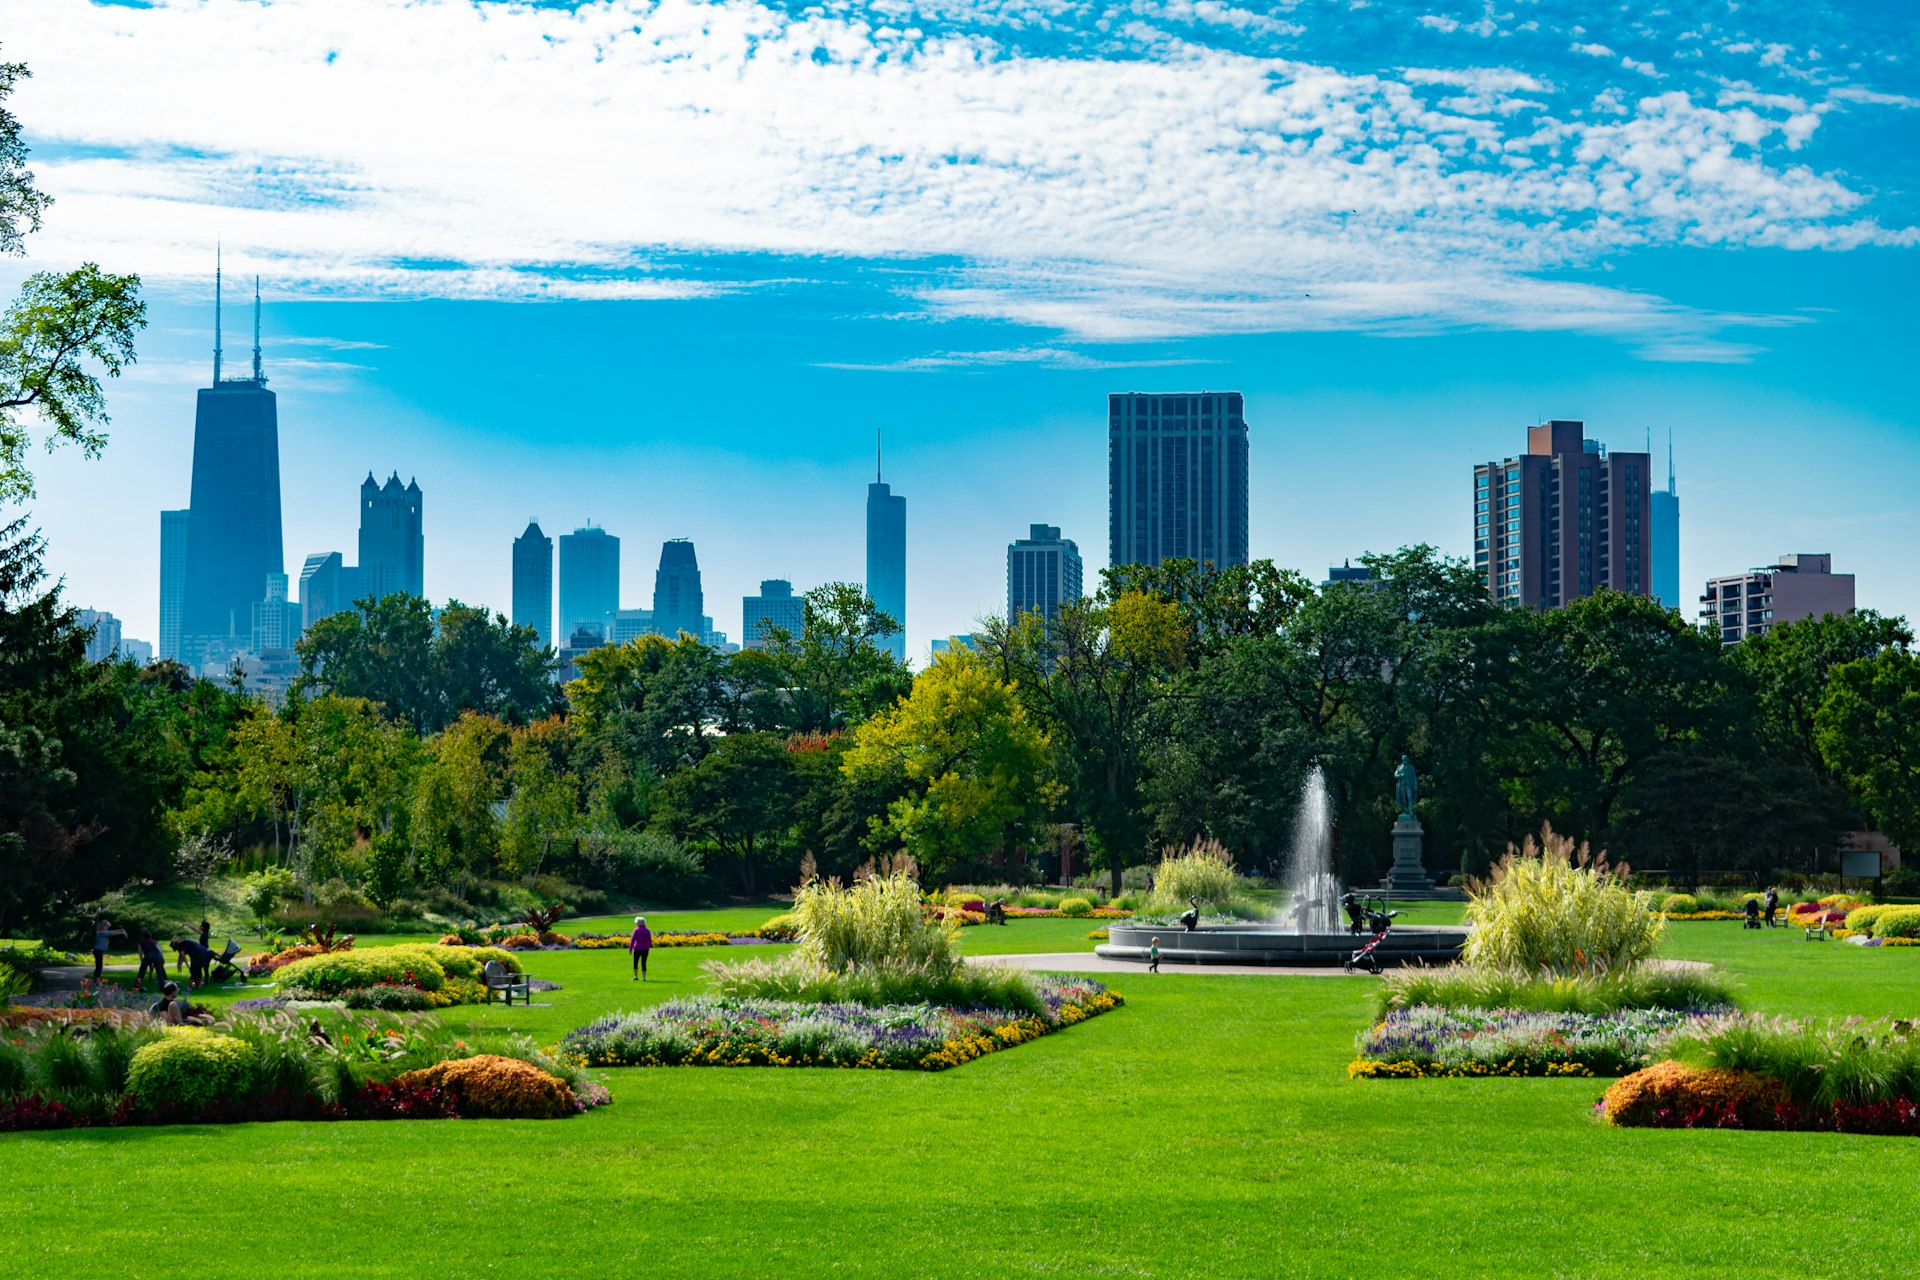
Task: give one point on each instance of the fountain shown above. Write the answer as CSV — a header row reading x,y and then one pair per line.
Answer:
x,y
1309,930
1313,887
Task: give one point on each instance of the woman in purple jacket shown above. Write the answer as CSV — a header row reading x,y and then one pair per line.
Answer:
x,y
638,945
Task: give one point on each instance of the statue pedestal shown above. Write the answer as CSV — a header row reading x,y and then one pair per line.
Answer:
x,y
1408,878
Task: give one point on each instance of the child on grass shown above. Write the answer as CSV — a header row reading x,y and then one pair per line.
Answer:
x,y
1153,957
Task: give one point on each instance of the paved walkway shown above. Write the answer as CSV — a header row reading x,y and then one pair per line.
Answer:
x,y
1088,962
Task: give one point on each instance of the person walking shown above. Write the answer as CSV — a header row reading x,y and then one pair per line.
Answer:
x,y
151,957
638,944
1153,957
103,935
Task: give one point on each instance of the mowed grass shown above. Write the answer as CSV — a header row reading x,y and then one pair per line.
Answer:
x,y
1206,1129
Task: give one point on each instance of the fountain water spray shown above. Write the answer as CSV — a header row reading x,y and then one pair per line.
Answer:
x,y
1315,889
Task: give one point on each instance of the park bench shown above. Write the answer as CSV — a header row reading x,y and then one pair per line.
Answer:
x,y
1819,931
504,980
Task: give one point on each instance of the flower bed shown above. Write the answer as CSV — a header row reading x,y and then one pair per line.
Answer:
x,y
1055,913
1850,1075
1425,1041
726,1032
277,1065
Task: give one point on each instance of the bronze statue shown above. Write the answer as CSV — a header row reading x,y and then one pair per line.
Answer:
x,y
1406,789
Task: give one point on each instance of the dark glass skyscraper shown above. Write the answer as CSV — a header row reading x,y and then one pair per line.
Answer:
x,y
233,536
533,582
887,559
1663,537
393,550
678,601
1177,477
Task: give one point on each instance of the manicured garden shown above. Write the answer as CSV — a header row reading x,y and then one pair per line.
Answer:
x,y
1208,1129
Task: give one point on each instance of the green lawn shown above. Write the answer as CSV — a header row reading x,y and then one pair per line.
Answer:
x,y
1207,1129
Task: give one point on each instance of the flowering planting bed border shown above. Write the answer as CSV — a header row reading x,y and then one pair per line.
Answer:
x,y
745,1033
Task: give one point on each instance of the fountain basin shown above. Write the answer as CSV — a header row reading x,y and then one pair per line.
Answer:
x,y
1272,944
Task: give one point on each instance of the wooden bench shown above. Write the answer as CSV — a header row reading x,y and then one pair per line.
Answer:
x,y
498,977
1821,931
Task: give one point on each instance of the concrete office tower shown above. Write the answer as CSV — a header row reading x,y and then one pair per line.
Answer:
x,y
775,606
393,550
1177,478
1663,536
233,538
887,557
1800,586
1043,572
533,582
328,585
103,640
678,602
1562,521
589,581
138,652
173,578
276,620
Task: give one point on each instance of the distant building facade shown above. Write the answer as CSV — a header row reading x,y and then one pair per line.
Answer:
x,y
678,602
1043,573
103,638
887,561
533,582
1742,605
1663,537
1562,521
1347,571
328,585
623,625
173,578
276,619
393,545
589,580
775,606
138,652
1177,477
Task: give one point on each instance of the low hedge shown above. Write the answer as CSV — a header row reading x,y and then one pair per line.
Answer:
x,y
1680,904
339,971
1672,1095
1885,922
496,1088
190,1068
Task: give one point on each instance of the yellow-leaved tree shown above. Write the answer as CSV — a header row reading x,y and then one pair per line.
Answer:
x,y
978,770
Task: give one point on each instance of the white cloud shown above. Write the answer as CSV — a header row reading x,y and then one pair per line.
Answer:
x,y
627,148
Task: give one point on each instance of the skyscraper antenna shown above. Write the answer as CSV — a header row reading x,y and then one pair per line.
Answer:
x,y
876,455
216,313
258,376
1671,486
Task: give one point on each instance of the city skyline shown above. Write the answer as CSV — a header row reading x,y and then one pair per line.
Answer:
x,y
1426,229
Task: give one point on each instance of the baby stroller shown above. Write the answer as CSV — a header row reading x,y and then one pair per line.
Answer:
x,y
1368,913
221,968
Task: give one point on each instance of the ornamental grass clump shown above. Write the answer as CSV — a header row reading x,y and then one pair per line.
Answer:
x,y
878,923
874,944
1555,907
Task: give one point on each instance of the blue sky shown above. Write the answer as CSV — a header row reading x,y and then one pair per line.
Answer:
x,y
668,266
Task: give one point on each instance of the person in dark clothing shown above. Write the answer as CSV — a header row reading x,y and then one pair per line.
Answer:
x,y
151,957
197,956
103,935
206,935
1773,903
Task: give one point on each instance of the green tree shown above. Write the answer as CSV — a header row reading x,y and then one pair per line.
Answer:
x,y
1091,679
739,799
453,824
543,805
1868,730
977,767
1791,666
58,332
833,674
424,671
656,703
